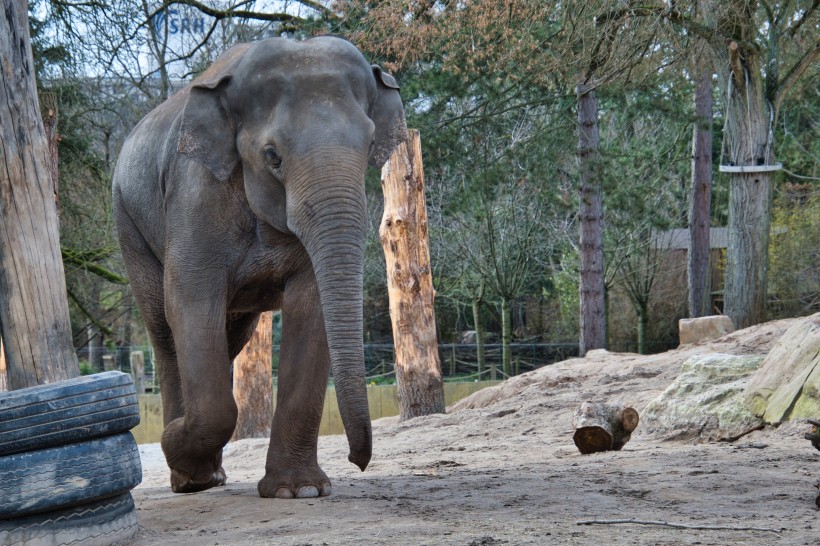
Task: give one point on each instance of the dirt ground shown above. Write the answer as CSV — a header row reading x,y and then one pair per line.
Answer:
x,y
501,468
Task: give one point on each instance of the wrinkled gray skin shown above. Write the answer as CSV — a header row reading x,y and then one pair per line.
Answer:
x,y
244,193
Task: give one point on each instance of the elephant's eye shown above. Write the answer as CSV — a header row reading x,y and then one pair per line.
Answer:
x,y
273,157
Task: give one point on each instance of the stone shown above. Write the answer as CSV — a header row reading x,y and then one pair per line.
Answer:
x,y
705,402
787,385
704,328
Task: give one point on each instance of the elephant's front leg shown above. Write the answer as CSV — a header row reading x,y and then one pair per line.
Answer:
x,y
193,443
292,469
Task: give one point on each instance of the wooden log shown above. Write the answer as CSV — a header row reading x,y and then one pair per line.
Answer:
x,y
34,319
253,383
403,234
603,427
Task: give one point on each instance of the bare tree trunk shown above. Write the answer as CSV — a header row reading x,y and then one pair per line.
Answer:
x,y
643,320
33,302
253,383
748,135
701,193
506,337
404,238
479,341
50,121
593,308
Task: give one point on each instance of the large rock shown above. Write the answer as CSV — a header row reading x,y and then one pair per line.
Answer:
x,y
705,402
704,328
787,385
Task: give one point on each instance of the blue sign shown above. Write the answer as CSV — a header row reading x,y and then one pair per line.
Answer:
x,y
177,24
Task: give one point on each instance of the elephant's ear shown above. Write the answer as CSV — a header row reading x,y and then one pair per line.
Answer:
x,y
387,114
207,133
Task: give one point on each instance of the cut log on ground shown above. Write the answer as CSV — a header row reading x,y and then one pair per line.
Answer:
x,y
603,427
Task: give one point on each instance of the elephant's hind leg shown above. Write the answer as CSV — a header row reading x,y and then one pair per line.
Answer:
x,y
146,278
292,469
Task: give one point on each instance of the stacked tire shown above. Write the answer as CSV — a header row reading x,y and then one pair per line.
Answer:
x,y
68,462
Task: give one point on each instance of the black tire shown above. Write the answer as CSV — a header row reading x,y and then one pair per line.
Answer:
x,y
105,522
68,411
58,477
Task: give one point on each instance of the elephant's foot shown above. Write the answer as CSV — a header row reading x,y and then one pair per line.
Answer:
x,y
193,467
182,482
290,484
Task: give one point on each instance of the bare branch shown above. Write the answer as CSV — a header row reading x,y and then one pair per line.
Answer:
x,y
676,525
786,84
257,15
792,30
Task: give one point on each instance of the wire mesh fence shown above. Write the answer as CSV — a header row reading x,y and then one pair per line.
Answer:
x,y
459,361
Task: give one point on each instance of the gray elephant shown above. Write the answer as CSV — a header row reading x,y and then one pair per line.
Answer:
x,y
244,193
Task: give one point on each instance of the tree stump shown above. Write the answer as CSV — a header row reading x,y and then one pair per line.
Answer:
x,y
253,383
603,427
403,234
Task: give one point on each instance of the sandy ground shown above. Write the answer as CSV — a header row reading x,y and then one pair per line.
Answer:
x,y
501,468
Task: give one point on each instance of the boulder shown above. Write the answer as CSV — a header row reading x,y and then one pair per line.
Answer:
x,y
787,385
704,328
705,402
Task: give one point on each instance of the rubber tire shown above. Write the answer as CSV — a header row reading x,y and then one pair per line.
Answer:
x,y
101,523
59,477
67,411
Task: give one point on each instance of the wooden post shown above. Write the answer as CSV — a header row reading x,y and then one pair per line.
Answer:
x,y
253,383
403,235
603,427
108,362
33,301
138,371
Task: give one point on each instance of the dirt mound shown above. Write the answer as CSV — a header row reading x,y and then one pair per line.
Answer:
x,y
501,468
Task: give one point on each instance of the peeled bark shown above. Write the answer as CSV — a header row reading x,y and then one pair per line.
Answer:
x,y
700,195
253,383
33,301
592,298
404,238
603,427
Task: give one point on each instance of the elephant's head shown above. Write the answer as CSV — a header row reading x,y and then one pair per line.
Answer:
x,y
300,121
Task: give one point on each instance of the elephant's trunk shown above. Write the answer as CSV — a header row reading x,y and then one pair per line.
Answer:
x,y
326,210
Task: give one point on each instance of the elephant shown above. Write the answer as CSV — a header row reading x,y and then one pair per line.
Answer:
x,y
244,193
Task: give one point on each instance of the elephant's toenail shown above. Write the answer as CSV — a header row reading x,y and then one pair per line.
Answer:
x,y
283,493
307,492
326,490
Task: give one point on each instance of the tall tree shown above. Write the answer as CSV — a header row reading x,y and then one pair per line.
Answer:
x,y
592,293
34,320
760,50
700,196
